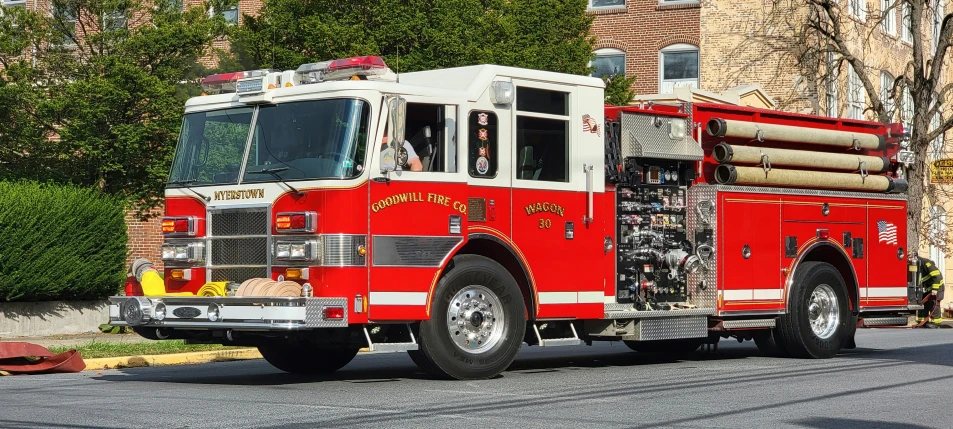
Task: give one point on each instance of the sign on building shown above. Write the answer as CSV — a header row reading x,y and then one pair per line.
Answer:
x,y
941,172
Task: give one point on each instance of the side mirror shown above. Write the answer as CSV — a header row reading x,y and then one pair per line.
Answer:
x,y
397,114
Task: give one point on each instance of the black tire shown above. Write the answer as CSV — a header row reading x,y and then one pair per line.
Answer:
x,y
439,355
306,359
667,347
768,344
794,328
849,343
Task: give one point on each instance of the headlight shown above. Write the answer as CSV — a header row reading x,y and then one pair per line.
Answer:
x,y
213,312
183,252
159,311
301,250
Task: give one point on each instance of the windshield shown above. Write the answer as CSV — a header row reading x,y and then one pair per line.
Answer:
x,y
319,139
211,147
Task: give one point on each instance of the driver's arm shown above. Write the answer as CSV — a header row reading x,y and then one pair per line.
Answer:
x,y
412,159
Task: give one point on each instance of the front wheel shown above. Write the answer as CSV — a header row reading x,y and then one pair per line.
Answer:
x,y
306,358
477,321
818,317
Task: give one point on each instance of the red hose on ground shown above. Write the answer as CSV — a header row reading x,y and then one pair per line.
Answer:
x,y
13,359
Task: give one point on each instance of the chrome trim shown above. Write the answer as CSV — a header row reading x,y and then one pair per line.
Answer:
x,y
797,262
808,192
623,311
251,310
751,313
748,323
340,250
886,321
871,309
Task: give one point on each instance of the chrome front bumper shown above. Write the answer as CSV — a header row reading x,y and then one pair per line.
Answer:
x,y
239,313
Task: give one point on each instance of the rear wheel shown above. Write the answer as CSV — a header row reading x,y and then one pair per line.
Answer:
x,y
306,358
477,321
668,347
767,342
817,319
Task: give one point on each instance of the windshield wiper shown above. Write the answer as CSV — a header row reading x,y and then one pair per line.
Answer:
x,y
185,184
274,173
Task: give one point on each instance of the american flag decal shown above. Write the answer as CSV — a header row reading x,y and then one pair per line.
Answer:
x,y
590,125
887,232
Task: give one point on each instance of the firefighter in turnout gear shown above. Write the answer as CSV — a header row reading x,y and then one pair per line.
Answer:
x,y
931,280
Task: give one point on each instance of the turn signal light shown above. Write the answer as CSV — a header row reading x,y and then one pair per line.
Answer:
x,y
168,225
296,274
296,222
333,313
179,225
181,274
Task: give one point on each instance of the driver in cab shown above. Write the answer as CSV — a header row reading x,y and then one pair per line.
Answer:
x,y
407,159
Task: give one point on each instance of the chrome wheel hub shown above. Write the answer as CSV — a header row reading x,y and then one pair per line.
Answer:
x,y
475,319
823,311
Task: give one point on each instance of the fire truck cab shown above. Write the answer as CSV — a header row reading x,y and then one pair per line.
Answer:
x,y
457,214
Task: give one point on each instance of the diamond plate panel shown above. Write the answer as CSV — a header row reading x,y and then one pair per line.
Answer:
x,y
239,251
314,312
703,284
252,221
238,274
341,250
671,328
404,251
642,138
749,323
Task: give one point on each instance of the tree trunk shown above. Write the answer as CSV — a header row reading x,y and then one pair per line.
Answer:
x,y
916,178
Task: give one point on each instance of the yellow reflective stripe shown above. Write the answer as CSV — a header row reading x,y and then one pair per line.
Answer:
x,y
928,264
925,279
936,286
934,272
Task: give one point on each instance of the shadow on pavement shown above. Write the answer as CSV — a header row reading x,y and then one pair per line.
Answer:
x,y
841,423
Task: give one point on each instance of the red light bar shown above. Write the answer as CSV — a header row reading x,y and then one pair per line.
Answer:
x,y
364,63
179,225
296,221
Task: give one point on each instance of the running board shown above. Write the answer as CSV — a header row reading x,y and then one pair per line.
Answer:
x,y
885,321
391,347
554,342
750,323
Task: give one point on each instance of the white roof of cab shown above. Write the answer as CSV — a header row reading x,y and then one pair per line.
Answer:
x,y
469,82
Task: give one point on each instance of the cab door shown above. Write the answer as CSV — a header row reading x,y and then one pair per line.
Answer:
x,y
417,218
550,201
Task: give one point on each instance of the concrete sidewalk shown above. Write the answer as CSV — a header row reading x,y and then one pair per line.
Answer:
x,y
79,339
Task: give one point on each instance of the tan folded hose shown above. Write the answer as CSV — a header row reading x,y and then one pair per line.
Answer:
x,y
268,287
727,174
725,153
718,127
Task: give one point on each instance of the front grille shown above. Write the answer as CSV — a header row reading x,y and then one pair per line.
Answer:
x,y
342,250
239,251
238,275
238,222
238,244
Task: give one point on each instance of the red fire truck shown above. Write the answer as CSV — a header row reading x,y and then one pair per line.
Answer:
x,y
457,214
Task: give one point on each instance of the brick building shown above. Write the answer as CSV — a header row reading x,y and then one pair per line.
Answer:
x,y
706,46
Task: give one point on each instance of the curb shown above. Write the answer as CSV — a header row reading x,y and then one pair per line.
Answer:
x,y
175,359
171,359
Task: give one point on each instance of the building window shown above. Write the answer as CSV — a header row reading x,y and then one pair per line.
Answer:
x,y
13,3
230,13
678,67
65,22
886,93
906,34
855,94
936,146
938,237
608,62
831,85
889,23
906,108
113,21
597,4
937,21
858,9
542,135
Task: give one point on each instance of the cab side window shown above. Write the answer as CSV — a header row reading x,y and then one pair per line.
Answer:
x,y
542,135
431,136
482,144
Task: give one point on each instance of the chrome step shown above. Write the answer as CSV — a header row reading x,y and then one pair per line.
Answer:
x,y
391,347
885,321
555,342
749,323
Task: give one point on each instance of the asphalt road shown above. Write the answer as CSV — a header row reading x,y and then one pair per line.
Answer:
x,y
895,379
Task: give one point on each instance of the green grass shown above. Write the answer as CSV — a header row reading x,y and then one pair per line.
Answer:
x,y
97,349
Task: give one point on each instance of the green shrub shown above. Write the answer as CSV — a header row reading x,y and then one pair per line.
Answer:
x,y
60,243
